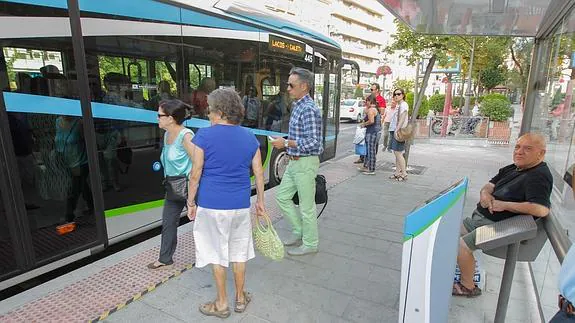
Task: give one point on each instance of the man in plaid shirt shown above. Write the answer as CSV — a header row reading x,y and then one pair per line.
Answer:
x,y
304,145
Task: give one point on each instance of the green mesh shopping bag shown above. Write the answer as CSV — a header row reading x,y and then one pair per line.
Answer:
x,y
266,239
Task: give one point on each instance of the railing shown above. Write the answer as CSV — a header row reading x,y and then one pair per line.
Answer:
x,y
459,127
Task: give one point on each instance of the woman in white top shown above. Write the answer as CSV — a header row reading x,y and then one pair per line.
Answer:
x,y
396,146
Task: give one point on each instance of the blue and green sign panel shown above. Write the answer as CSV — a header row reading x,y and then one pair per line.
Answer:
x,y
430,241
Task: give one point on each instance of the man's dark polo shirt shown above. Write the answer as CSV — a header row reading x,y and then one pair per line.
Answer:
x,y
512,185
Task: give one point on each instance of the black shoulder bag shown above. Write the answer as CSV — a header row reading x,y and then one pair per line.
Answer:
x,y
320,193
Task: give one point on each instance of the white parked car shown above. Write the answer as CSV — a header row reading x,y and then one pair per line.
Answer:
x,y
351,109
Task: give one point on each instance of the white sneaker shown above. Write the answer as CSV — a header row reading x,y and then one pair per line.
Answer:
x,y
302,250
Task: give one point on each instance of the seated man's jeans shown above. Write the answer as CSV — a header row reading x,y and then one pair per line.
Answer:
x,y
562,315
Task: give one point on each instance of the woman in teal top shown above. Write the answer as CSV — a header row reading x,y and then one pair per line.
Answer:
x,y
176,159
70,146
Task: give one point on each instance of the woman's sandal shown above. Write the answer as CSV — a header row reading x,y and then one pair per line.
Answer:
x,y
393,176
460,290
210,309
158,265
401,178
241,306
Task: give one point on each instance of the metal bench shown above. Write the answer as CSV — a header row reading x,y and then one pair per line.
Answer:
x,y
519,238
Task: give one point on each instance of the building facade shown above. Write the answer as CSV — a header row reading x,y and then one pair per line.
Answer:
x,y
363,28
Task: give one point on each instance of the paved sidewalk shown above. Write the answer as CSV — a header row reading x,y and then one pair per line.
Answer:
x,y
356,275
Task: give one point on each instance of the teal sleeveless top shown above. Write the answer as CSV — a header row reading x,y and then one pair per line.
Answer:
x,y
174,157
70,144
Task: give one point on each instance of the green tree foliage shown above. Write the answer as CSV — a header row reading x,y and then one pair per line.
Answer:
x,y
436,102
492,76
496,108
520,50
406,85
423,109
413,47
358,92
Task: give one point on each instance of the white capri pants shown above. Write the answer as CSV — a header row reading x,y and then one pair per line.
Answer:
x,y
223,236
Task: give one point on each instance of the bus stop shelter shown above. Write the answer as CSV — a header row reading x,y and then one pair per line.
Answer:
x,y
548,107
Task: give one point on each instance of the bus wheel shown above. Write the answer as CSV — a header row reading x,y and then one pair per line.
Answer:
x,y
279,162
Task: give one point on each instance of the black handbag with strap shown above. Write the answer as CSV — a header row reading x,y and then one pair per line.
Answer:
x,y
320,193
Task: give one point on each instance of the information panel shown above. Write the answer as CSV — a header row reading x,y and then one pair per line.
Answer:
x,y
286,46
430,243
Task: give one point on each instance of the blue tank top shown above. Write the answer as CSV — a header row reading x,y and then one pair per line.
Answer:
x,y
375,127
174,156
70,144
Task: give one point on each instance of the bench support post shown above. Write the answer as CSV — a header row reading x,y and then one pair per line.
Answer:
x,y
506,281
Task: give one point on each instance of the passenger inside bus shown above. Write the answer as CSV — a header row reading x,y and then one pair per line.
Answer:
x,y
252,106
199,97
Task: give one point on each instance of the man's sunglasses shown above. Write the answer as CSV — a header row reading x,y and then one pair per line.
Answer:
x,y
290,85
162,115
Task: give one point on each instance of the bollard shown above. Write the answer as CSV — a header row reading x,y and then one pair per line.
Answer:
x,y
506,281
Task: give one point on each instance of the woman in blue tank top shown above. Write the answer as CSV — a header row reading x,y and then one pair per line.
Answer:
x,y
176,159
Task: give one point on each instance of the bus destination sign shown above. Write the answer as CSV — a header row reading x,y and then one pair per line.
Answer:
x,y
286,46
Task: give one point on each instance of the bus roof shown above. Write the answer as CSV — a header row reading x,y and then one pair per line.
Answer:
x,y
227,14
259,16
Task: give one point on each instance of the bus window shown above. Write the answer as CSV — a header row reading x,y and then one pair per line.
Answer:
x,y
134,87
46,126
128,138
199,72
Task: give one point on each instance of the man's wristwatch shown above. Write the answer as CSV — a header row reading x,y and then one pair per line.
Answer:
x,y
286,144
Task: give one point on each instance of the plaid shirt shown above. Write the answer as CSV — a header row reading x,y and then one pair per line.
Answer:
x,y
305,127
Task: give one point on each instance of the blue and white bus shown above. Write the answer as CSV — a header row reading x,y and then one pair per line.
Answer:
x,y
137,53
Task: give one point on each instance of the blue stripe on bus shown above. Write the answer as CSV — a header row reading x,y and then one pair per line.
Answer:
x,y
30,103
154,10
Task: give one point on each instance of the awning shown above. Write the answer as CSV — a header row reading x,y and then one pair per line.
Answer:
x,y
534,18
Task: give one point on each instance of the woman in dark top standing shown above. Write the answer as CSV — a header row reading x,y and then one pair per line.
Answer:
x,y
372,124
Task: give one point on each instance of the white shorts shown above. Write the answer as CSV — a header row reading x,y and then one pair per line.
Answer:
x,y
223,236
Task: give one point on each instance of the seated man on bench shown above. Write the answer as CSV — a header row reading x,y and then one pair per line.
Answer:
x,y
522,188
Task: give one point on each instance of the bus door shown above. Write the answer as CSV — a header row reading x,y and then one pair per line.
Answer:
x,y
44,173
325,93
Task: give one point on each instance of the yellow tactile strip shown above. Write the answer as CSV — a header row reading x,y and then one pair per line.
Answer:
x,y
95,297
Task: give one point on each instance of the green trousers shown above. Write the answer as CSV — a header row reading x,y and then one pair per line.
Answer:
x,y
300,177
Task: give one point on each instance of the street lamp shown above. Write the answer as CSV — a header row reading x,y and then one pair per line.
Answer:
x,y
468,93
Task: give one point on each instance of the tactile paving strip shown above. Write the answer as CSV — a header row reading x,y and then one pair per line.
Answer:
x,y
96,297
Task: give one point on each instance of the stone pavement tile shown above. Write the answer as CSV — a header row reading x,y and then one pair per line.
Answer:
x,y
363,230
352,238
141,312
384,291
459,313
253,319
340,264
315,296
376,273
487,303
281,309
362,311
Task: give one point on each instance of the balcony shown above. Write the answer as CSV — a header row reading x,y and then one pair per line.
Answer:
x,y
357,32
357,15
359,49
